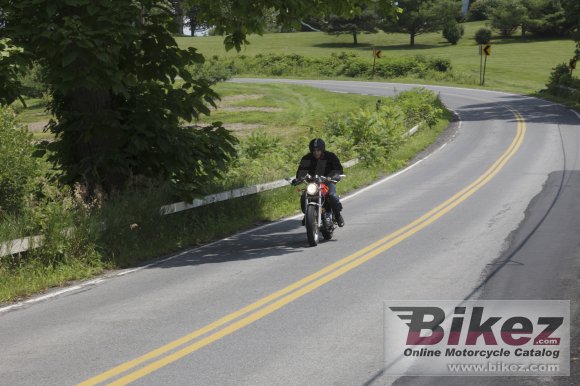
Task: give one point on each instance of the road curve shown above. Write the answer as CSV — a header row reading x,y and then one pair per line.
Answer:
x,y
494,214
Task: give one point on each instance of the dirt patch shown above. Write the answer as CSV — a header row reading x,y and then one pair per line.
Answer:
x,y
265,109
228,104
37,127
242,126
239,98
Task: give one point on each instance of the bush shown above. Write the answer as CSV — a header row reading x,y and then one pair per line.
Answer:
x,y
563,84
483,36
17,165
452,32
213,71
342,64
374,134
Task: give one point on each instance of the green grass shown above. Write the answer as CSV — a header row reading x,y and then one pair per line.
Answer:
x,y
515,65
295,108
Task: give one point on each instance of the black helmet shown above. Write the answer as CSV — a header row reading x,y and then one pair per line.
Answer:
x,y
317,143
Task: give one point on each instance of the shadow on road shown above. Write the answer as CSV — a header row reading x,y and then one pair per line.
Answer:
x,y
532,109
280,239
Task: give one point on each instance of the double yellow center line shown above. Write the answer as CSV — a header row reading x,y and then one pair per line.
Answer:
x,y
267,305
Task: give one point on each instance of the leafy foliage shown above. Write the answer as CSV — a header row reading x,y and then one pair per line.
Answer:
x,y
111,66
483,36
17,165
11,68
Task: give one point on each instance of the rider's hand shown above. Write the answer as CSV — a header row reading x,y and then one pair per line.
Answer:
x,y
294,182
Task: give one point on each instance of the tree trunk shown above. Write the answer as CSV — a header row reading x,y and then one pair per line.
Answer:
x,y
354,33
93,144
412,40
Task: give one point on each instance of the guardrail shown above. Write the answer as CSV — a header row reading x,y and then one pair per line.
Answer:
x,y
27,243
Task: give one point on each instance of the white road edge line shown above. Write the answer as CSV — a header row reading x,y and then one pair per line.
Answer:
x,y
133,270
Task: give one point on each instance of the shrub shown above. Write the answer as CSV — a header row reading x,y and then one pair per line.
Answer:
x,y
420,105
213,71
17,165
374,134
563,84
483,36
452,32
343,64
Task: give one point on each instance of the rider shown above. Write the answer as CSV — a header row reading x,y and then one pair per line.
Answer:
x,y
320,162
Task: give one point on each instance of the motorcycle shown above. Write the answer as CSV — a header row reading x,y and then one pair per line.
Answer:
x,y
318,214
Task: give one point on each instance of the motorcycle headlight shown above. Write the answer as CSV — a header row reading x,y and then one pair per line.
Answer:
x,y
312,189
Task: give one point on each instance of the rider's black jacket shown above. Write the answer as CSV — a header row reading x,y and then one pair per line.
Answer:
x,y
328,165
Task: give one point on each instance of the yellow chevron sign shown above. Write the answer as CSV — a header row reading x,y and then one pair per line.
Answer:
x,y
487,49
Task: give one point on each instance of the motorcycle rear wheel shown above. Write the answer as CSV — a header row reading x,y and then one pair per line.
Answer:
x,y
311,225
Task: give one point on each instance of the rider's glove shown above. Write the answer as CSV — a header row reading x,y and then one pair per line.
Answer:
x,y
294,182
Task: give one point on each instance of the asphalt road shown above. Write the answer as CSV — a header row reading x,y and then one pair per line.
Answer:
x,y
513,235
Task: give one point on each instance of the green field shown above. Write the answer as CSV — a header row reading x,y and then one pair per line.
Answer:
x,y
281,109
516,65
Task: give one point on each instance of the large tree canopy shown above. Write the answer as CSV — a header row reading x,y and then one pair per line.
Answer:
x,y
368,21
112,67
417,17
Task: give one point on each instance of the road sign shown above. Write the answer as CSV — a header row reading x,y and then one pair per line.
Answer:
x,y
573,64
487,49
377,53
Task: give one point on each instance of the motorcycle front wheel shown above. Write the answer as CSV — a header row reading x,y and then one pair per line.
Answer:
x,y
312,225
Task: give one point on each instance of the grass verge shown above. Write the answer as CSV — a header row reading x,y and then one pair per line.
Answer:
x,y
148,235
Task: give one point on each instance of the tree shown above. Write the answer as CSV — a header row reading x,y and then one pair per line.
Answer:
x,y
572,11
417,17
507,16
112,66
545,18
178,16
367,21
453,31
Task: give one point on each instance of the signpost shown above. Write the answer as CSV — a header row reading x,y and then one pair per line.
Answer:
x,y
484,50
376,54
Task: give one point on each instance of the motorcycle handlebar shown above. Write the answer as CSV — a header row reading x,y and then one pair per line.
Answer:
x,y
309,178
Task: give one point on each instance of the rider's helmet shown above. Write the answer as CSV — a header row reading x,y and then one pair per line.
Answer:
x,y
317,143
